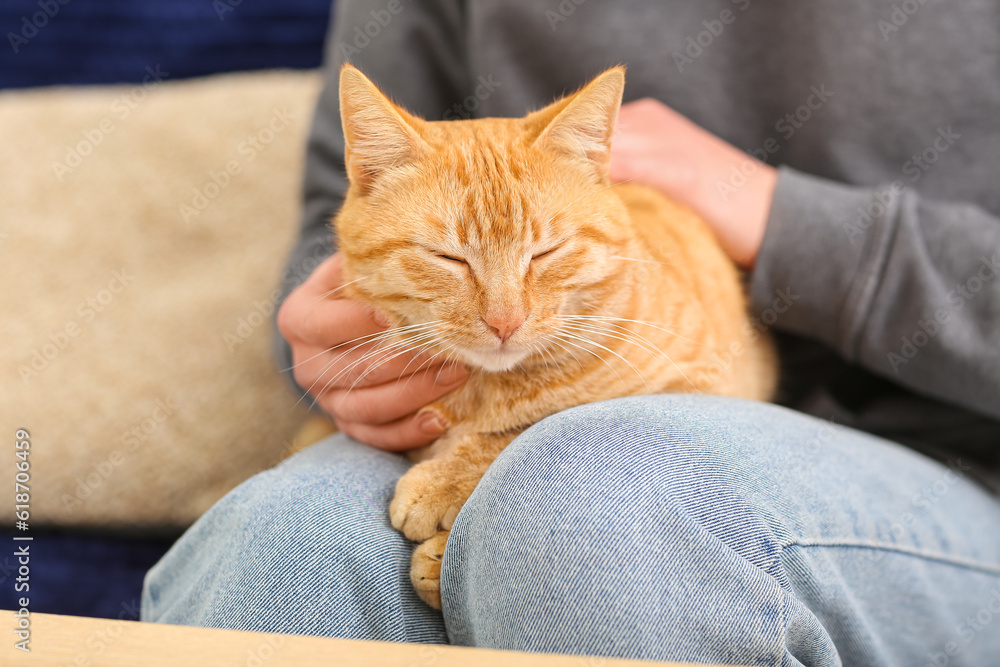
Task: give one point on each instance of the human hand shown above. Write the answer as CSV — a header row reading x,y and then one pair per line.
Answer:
x,y
368,401
656,146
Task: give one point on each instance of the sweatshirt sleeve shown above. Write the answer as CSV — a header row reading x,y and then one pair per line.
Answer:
x,y
906,287
414,52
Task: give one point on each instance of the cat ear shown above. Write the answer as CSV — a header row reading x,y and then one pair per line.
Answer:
x,y
584,122
379,135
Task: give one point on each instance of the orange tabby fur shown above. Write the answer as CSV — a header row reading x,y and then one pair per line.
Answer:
x,y
499,193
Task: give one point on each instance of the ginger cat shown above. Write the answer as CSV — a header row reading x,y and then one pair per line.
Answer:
x,y
500,243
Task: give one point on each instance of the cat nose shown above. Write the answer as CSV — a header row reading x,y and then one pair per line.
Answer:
x,y
504,324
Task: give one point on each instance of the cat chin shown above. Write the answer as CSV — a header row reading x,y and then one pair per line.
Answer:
x,y
495,361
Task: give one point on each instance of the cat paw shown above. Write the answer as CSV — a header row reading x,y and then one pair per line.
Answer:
x,y
427,500
425,569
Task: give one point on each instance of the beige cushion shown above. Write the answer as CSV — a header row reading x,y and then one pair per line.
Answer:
x,y
135,312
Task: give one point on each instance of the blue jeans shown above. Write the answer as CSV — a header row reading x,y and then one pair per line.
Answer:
x,y
662,527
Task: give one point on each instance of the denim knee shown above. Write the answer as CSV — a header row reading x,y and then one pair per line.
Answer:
x,y
641,456
714,530
314,530
720,460
625,511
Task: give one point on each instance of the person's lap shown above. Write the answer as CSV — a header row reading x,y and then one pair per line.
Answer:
x,y
665,527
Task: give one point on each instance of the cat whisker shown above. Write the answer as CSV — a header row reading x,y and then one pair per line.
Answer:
x,y
379,349
419,345
539,349
425,361
445,351
655,325
336,377
332,362
428,347
388,355
555,361
566,349
326,367
589,351
608,349
364,340
450,357
337,289
394,331
616,330
638,336
624,336
391,351
376,338
637,340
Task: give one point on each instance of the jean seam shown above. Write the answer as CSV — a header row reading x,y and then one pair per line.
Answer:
x,y
916,553
783,620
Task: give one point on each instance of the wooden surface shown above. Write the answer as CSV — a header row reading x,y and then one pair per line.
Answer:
x,y
64,641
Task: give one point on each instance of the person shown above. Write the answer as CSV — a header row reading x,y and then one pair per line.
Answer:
x,y
845,154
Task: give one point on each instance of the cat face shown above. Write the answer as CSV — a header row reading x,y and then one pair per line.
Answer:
x,y
480,235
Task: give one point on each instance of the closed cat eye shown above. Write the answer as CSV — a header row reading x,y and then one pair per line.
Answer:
x,y
451,259
544,253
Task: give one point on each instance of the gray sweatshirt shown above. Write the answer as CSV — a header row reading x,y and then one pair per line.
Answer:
x,y
880,268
